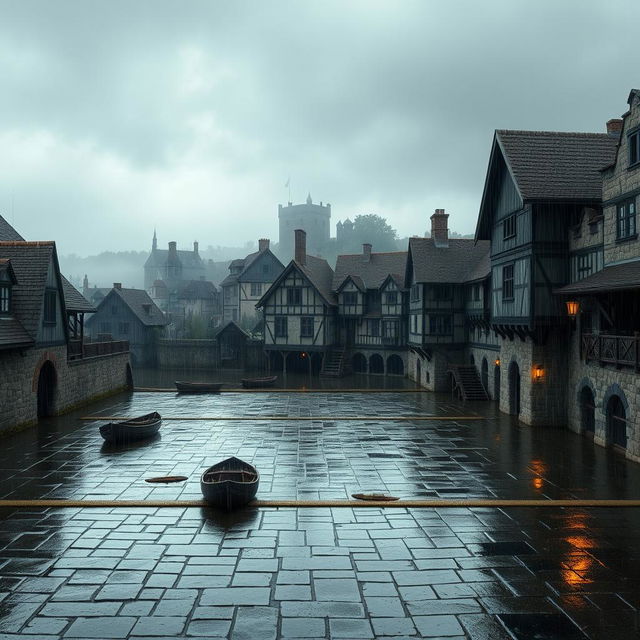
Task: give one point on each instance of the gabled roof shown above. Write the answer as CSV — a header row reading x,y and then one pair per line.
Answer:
x,y
30,262
316,270
8,233
197,290
462,261
135,299
231,325
13,334
357,281
74,300
243,264
187,259
372,272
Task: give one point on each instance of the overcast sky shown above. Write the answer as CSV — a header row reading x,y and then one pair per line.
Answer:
x,y
118,116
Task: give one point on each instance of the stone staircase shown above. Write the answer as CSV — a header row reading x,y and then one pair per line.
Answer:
x,y
334,364
466,382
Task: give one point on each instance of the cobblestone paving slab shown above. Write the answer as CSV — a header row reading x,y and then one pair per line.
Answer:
x,y
317,573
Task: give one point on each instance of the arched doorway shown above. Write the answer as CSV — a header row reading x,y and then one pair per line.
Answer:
x,y
395,366
418,372
514,389
376,363
616,422
484,374
587,411
496,383
359,363
46,389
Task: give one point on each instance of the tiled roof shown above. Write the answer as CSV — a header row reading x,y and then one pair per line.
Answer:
x,y
188,259
197,289
135,299
74,300
557,165
227,326
8,233
13,334
462,261
30,262
372,272
320,274
614,277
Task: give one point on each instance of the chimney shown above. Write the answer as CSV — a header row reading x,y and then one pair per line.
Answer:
x,y
147,308
614,126
117,285
439,230
366,252
172,247
195,248
300,255
263,244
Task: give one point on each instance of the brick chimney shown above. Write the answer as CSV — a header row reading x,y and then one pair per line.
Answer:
x,y
195,248
366,252
439,229
117,285
263,244
614,127
300,254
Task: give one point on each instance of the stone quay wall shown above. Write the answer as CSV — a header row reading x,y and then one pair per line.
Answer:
x,y
77,382
205,354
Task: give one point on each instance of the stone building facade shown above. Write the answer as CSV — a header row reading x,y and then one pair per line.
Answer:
x,y
313,218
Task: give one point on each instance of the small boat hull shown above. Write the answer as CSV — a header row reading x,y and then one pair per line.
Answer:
x,y
259,383
198,387
230,484
139,428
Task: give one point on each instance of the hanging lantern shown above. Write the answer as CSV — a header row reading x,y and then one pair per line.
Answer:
x,y
538,373
497,362
573,306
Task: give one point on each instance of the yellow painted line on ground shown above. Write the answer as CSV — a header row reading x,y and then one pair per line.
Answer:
x,y
407,504
274,390
298,418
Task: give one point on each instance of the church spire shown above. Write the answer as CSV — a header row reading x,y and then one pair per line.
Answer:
x,y
154,244
309,201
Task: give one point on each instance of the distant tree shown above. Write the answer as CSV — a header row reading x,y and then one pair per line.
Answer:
x,y
373,229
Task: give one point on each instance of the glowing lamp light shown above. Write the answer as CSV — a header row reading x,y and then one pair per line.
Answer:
x,y
538,373
573,306
497,362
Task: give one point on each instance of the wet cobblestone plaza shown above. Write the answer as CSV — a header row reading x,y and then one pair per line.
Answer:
x,y
352,573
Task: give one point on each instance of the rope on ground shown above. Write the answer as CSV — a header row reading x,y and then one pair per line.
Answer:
x,y
307,418
353,504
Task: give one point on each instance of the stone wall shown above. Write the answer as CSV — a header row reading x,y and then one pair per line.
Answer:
x,y
490,353
433,372
603,381
205,354
383,353
77,382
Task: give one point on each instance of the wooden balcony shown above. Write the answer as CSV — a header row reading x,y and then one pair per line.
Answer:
x,y
78,350
620,351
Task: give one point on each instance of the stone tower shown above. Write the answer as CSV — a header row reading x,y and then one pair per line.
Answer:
x,y
314,219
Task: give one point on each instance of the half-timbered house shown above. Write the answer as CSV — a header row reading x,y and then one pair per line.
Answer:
x,y
299,311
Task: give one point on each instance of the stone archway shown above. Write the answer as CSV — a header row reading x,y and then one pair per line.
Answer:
x,y
46,389
376,363
514,389
587,411
359,363
395,366
616,422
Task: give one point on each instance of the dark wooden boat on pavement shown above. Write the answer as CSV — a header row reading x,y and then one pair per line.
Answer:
x,y
198,387
259,383
230,484
132,430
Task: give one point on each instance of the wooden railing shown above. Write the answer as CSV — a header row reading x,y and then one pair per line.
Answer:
x,y
621,351
77,350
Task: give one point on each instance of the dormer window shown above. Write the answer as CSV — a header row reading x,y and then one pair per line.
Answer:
x,y
509,227
633,142
5,298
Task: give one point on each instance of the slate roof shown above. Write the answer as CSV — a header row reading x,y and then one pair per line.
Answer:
x,y
463,260
188,259
13,334
243,264
373,272
320,274
229,325
197,290
557,165
614,277
74,300
8,233
30,262
135,299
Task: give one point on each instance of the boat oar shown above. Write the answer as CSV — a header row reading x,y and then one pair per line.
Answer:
x,y
380,497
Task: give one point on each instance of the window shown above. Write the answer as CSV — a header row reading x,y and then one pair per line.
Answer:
x,y
123,327
306,326
507,282
391,297
626,219
227,294
390,329
415,292
476,292
633,140
441,292
50,297
294,295
509,227
440,325
350,298
280,327
256,288
584,265
374,328
5,299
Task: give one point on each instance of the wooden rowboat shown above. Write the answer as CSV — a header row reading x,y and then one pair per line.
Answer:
x,y
230,484
259,383
138,428
198,387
